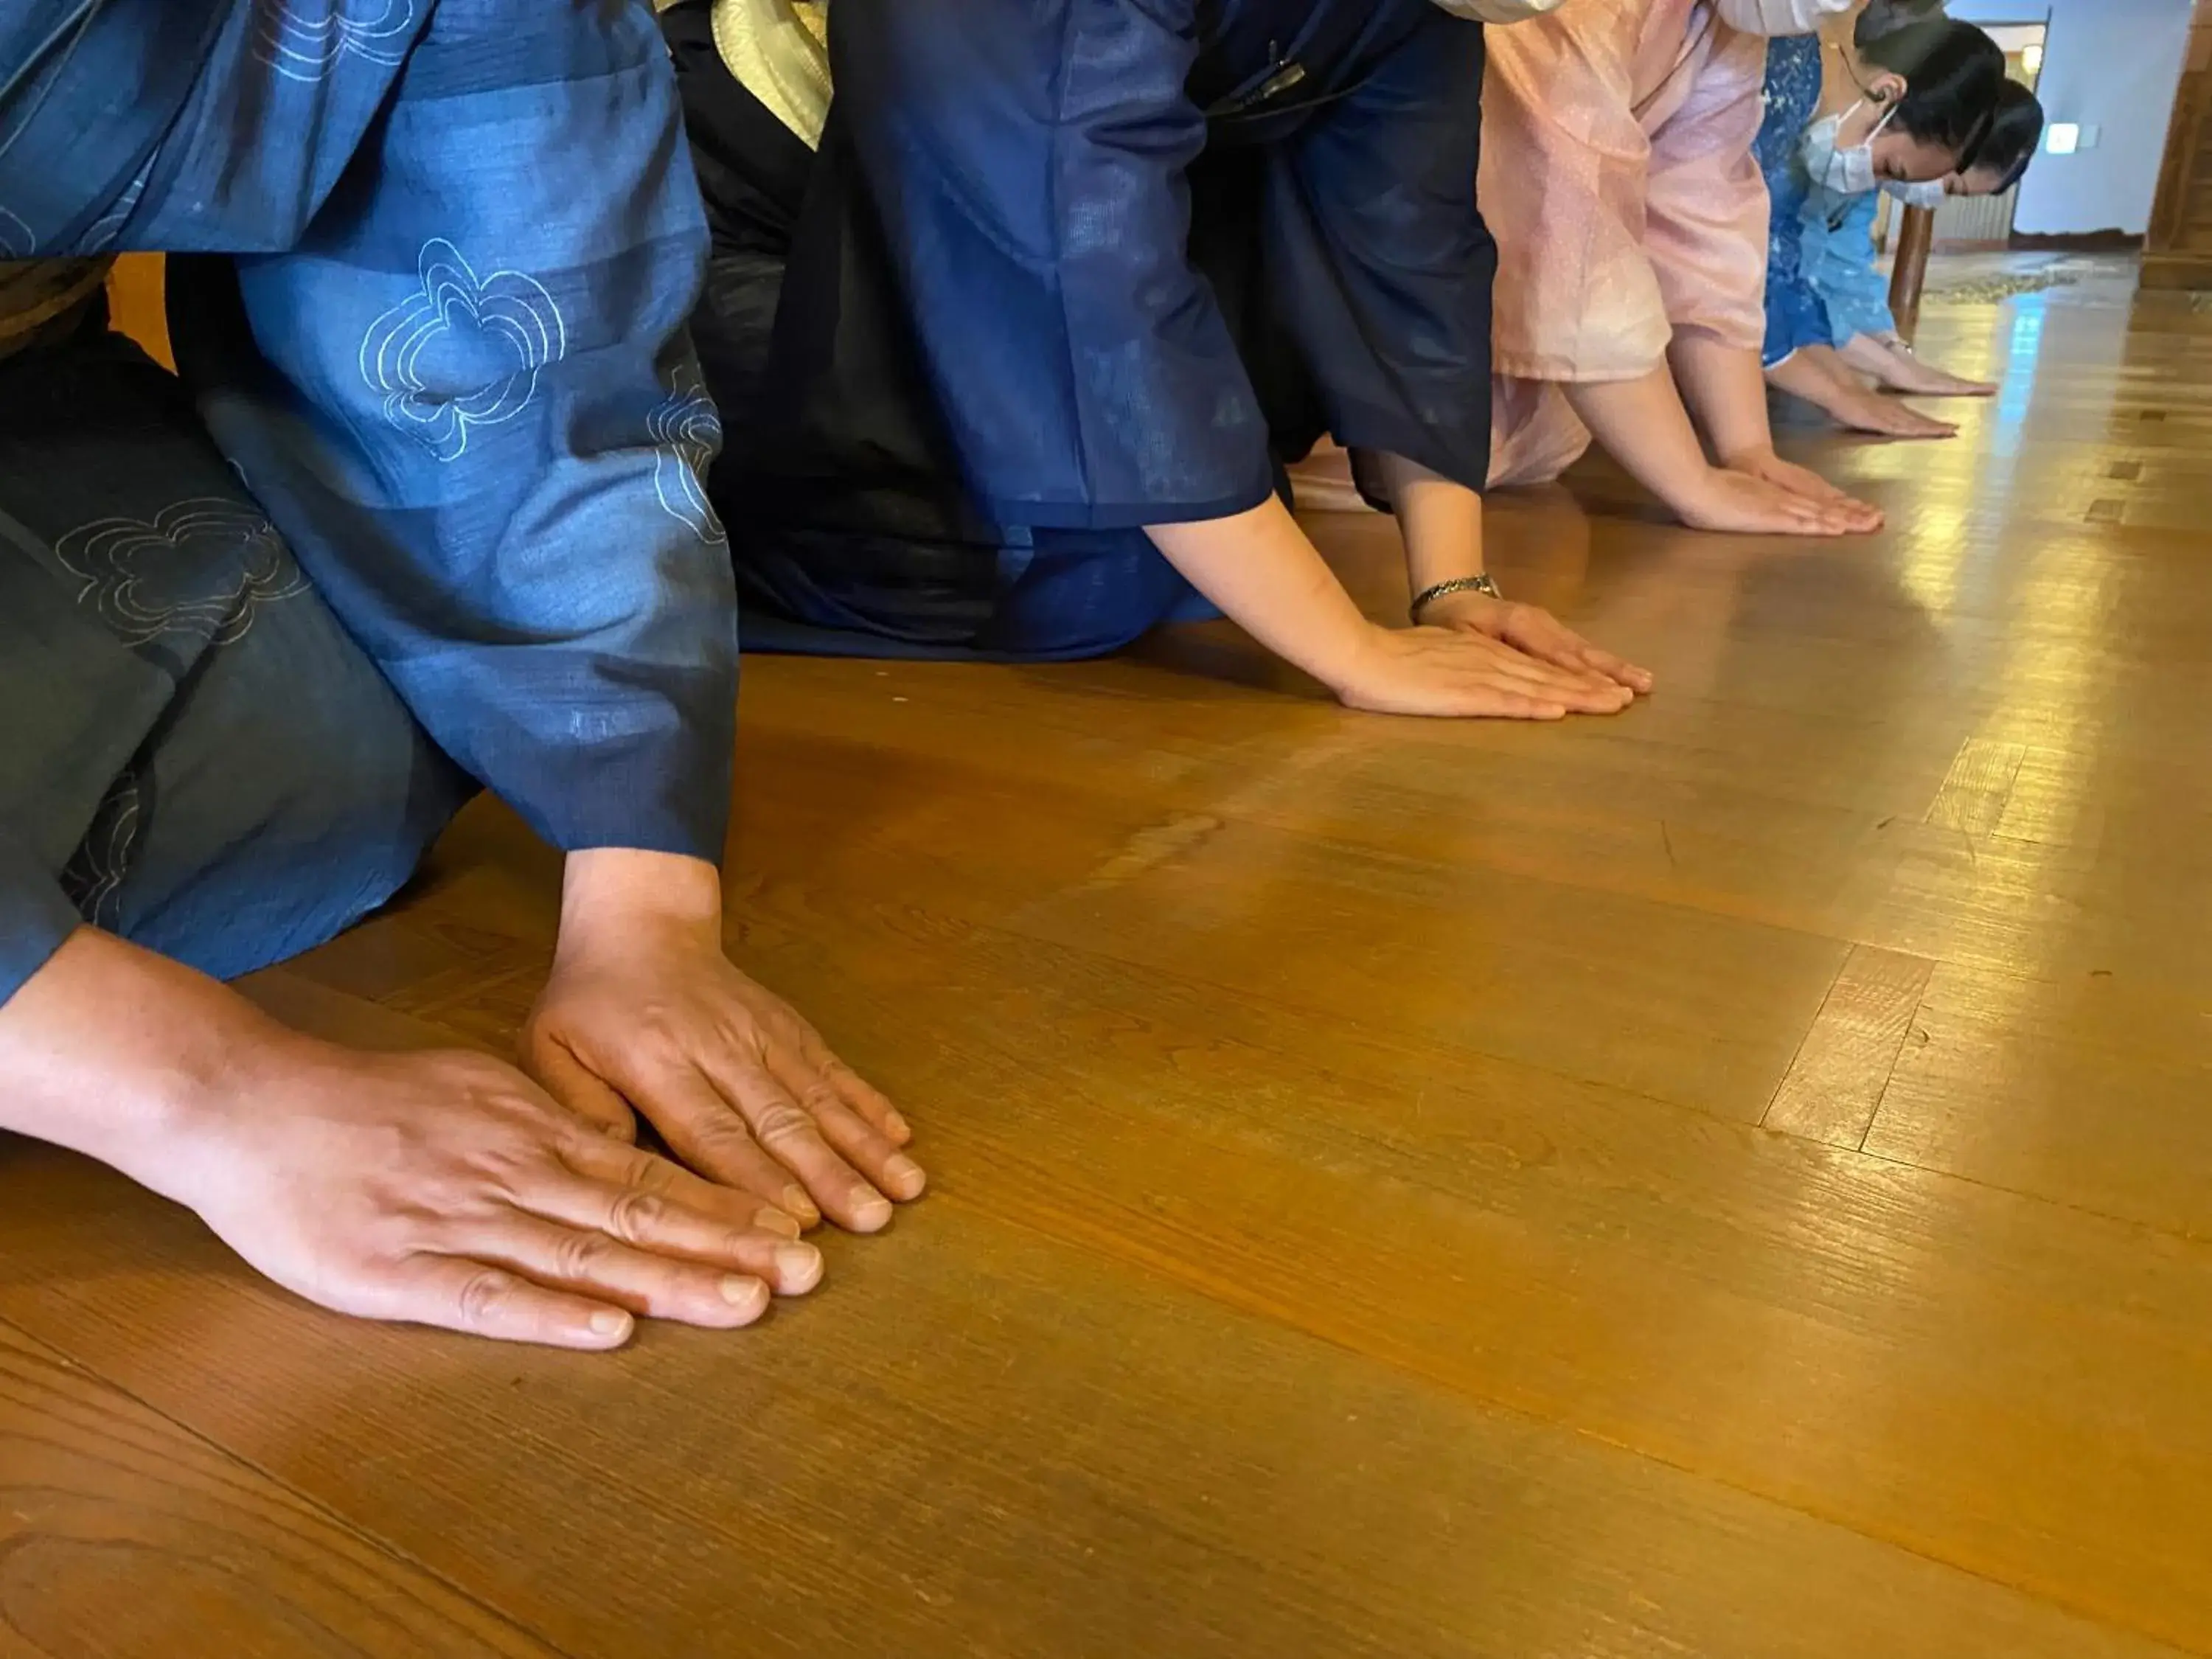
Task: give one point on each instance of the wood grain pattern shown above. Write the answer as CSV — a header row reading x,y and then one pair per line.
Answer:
x,y
121,1533
1908,282
1727,1181
2178,252
1000,1438
1835,1085
137,304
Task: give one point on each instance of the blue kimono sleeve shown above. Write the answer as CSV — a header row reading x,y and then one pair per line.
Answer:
x,y
36,915
466,395
1027,160
1842,270
1380,258
1794,316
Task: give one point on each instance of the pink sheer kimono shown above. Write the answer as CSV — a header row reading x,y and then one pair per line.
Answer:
x,y
1617,174
1618,177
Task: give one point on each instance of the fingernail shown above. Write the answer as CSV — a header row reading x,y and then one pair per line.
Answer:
x,y
796,1202
903,1172
610,1322
740,1291
870,1213
776,1221
799,1266
899,1126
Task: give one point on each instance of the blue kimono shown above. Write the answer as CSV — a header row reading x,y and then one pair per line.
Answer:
x,y
1794,316
434,497
1065,269
1839,263
1821,285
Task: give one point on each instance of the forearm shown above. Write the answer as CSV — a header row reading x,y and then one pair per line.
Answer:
x,y
1725,391
108,1050
1643,425
1869,354
607,893
1440,520
1266,576
1819,376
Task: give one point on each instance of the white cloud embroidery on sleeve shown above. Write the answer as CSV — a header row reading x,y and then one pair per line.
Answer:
x,y
461,352
303,42
686,431
147,578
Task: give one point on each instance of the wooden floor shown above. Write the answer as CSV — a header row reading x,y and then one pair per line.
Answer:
x,y
1733,1181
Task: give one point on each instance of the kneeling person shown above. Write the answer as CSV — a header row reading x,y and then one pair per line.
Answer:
x,y
1014,361
415,518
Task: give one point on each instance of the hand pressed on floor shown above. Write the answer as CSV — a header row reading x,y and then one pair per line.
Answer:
x,y
1885,416
440,1189
1533,632
1765,495
1847,515
448,1189
644,1011
1452,672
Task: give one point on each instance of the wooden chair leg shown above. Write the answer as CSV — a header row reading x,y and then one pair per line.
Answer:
x,y
1916,237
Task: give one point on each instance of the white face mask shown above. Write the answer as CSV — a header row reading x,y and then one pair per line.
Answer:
x,y
1499,11
1779,17
1929,195
1845,172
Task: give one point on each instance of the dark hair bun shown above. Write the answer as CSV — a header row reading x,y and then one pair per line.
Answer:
x,y
1954,75
1887,17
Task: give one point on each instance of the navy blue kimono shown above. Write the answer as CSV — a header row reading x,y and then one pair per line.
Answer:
x,y
1065,269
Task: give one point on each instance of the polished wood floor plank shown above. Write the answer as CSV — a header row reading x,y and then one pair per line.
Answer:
x,y
1500,1255
2091,1089
1828,1329
990,1442
1399,1188
122,1534
1835,1084
137,304
1706,1012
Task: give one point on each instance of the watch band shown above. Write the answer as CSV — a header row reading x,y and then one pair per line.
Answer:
x,y
1428,596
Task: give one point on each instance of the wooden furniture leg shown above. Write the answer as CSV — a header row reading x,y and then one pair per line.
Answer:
x,y
1915,237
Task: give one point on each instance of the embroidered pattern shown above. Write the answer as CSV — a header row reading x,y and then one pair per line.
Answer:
x,y
304,41
101,233
94,874
147,578
461,352
686,431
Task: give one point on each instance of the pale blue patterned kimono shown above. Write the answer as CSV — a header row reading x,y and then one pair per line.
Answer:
x,y
447,446
1839,263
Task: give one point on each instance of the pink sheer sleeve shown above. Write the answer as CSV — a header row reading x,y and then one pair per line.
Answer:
x,y
1564,174
1707,233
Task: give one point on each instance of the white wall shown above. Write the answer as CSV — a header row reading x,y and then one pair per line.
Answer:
x,y
2109,63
